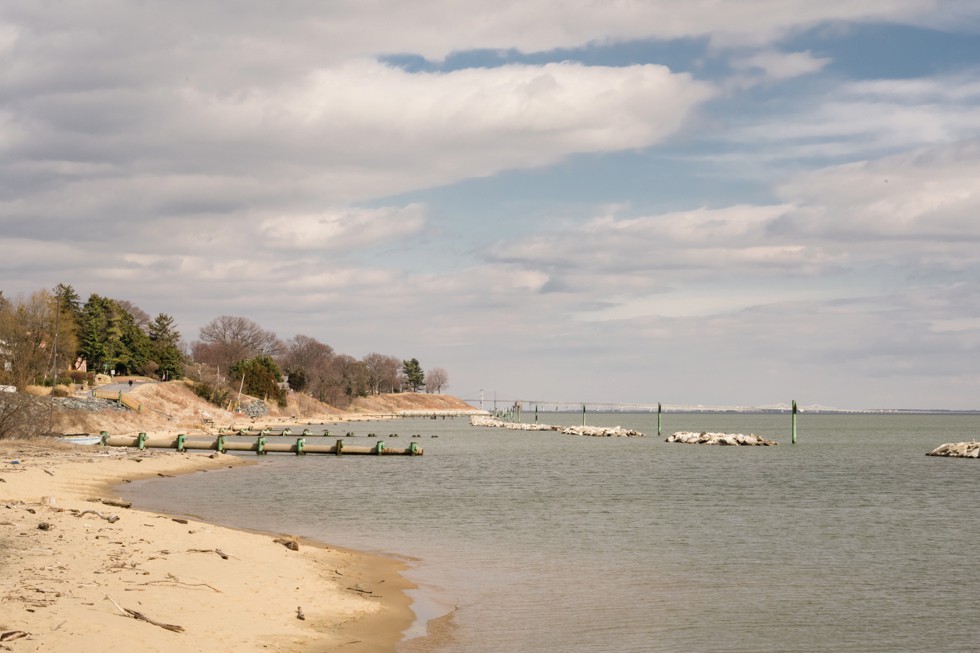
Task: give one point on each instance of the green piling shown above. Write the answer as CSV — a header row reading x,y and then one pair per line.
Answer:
x,y
379,448
141,441
340,447
660,419
300,443
794,421
220,445
260,446
105,438
181,439
583,414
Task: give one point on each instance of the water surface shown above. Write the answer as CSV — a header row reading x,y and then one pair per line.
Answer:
x,y
851,540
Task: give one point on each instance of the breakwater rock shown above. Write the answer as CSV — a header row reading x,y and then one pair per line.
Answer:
x,y
957,450
592,431
723,439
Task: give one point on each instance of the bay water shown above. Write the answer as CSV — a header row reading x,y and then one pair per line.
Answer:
x,y
852,540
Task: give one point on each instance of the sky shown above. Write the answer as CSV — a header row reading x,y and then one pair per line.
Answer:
x,y
693,202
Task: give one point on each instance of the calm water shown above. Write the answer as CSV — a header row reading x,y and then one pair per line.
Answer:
x,y
851,540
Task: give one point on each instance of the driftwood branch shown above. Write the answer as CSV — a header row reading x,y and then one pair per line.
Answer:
x,y
288,542
112,519
115,503
142,617
173,580
224,556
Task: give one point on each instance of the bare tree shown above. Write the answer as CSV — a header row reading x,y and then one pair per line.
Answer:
x,y
305,353
382,372
227,340
26,334
436,379
140,317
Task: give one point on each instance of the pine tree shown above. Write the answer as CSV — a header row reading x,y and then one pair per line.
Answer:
x,y
414,375
166,346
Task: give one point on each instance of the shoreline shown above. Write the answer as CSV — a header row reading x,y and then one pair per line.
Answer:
x,y
73,565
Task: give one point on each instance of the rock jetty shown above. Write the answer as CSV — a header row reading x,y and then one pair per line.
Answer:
x,y
723,439
592,431
957,450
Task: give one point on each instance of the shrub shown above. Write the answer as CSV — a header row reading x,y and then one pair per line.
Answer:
x,y
23,415
219,396
60,391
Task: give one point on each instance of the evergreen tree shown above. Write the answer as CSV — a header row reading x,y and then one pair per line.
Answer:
x,y
414,376
93,333
134,350
166,346
259,377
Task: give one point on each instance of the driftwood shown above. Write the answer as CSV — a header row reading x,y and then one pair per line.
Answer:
x,y
173,580
299,614
11,635
224,556
115,503
288,542
142,617
112,519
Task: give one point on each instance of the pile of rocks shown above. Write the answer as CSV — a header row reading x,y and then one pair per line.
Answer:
x,y
593,431
88,403
723,439
957,450
486,420
601,431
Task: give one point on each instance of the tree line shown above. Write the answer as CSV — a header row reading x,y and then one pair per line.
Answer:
x,y
52,337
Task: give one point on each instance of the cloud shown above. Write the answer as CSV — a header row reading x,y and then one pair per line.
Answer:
x,y
334,136
865,119
220,47
778,66
340,230
923,203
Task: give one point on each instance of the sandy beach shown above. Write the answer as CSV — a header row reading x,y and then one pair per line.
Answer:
x,y
79,571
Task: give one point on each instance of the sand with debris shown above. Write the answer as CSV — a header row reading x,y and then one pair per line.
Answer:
x,y
81,572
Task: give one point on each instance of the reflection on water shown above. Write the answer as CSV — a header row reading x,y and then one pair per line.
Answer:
x,y
851,540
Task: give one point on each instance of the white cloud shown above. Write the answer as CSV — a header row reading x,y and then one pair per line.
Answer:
x,y
342,229
851,122
207,45
778,66
920,202
335,136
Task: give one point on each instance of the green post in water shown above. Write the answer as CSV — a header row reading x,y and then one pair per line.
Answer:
x,y
660,415
794,421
